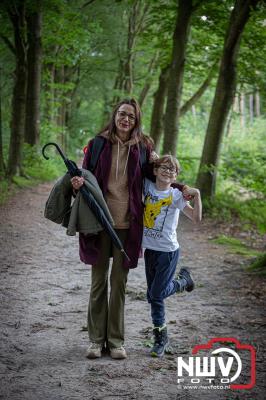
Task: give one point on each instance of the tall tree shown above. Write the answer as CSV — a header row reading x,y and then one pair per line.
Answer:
x,y
32,126
2,166
175,82
150,75
136,20
223,98
158,108
16,12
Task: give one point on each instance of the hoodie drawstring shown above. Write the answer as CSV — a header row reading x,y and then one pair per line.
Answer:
x,y
116,172
117,160
126,160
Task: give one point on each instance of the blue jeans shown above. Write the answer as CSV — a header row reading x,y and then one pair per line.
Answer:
x,y
160,268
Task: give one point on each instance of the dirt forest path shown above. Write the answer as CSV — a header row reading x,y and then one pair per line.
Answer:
x,y
44,296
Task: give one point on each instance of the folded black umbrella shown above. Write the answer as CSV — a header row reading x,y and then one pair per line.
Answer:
x,y
90,199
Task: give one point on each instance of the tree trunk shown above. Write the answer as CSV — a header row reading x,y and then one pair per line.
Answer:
x,y
2,165
17,17
175,81
151,68
32,126
124,80
236,104
135,25
158,108
61,109
49,108
242,111
257,102
224,94
251,110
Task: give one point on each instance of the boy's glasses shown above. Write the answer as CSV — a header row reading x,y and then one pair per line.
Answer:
x,y
171,170
123,115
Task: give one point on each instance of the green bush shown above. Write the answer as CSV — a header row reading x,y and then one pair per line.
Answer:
x,y
35,170
228,205
36,167
259,265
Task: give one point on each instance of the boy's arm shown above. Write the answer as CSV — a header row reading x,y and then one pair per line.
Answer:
x,y
194,213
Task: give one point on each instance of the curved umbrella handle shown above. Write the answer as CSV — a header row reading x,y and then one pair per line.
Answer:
x,y
57,147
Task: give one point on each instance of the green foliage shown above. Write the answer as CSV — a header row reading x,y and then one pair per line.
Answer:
x,y
259,265
4,191
39,169
240,175
35,170
235,246
244,160
227,205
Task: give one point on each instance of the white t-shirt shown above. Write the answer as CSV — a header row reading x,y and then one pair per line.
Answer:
x,y
161,217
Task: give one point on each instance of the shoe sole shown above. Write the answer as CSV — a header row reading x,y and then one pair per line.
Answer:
x,y
93,355
154,354
118,358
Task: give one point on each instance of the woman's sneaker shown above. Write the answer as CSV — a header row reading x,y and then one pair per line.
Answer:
x,y
118,353
160,342
185,274
94,350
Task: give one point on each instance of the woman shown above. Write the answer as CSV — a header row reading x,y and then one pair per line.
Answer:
x,y
119,175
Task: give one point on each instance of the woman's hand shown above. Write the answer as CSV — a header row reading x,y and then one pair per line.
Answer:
x,y
77,182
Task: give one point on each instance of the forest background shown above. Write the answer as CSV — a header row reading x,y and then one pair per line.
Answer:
x,y
196,67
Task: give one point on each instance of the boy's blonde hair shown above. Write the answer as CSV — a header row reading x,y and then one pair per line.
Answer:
x,y
167,159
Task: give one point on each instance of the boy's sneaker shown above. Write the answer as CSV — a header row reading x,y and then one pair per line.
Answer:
x,y
94,350
160,342
118,353
185,274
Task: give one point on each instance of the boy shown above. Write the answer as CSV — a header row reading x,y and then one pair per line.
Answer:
x,y
162,206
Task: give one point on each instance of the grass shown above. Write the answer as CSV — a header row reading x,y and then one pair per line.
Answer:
x,y
259,265
6,192
236,246
228,205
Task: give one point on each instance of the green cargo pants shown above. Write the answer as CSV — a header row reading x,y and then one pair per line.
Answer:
x,y
106,319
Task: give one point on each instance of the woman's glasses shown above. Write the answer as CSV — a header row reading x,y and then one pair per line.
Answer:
x,y
171,170
123,115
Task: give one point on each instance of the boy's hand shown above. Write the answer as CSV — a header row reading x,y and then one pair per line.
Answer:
x,y
189,192
154,156
186,196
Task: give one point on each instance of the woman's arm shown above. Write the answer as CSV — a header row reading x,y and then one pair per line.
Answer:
x,y
193,213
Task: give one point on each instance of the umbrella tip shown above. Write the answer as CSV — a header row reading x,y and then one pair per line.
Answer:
x,y
125,254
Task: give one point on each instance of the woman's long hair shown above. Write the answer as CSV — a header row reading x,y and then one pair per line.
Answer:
x,y
137,132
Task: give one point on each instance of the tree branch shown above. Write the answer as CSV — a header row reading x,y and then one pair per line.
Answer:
x,y
8,43
87,4
197,95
